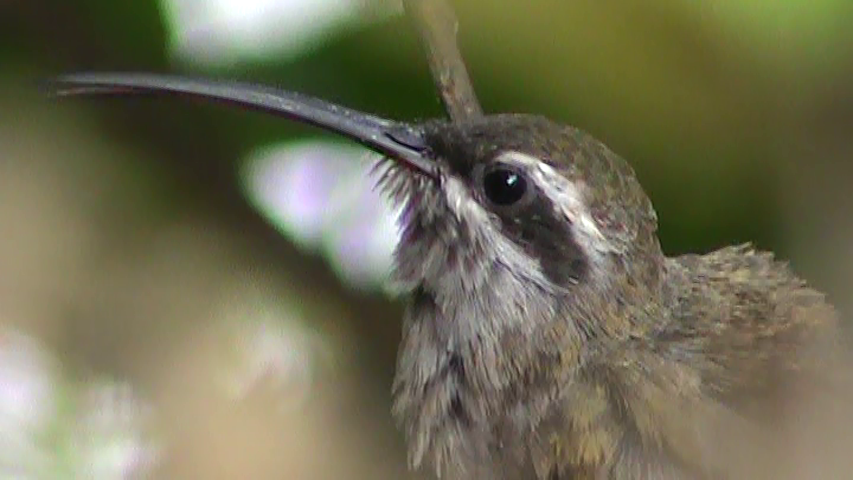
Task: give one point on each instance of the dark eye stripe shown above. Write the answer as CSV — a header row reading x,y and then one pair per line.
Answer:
x,y
537,230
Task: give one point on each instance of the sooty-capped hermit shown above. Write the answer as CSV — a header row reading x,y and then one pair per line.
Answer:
x,y
503,377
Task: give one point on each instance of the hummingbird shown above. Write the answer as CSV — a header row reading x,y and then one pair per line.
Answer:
x,y
546,335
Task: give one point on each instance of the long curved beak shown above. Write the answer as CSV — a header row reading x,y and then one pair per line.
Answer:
x,y
400,141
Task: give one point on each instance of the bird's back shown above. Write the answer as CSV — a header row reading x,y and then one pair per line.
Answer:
x,y
755,326
763,347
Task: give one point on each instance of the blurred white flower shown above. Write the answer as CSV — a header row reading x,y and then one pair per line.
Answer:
x,y
321,195
220,31
27,403
55,429
109,438
274,352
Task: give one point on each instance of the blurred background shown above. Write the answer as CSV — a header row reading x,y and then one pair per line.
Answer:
x,y
191,291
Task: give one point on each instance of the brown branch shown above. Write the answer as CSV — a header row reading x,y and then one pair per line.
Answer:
x,y
437,24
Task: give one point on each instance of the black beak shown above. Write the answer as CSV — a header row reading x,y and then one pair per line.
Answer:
x,y
399,141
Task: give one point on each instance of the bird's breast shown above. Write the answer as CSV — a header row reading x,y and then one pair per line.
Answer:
x,y
464,368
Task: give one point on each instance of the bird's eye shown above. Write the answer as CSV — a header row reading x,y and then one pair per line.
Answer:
x,y
504,186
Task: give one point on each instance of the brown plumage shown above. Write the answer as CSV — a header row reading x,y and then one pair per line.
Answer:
x,y
547,336
727,365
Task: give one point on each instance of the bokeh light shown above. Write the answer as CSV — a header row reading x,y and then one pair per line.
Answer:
x,y
321,195
51,427
215,32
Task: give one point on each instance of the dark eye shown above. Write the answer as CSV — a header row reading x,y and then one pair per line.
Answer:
x,y
504,186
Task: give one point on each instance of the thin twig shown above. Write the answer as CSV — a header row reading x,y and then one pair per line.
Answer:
x,y
437,24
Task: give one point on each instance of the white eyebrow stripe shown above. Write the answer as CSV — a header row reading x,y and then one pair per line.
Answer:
x,y
519,158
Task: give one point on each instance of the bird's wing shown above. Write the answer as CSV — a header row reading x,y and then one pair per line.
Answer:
x,y
764,347
752,325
